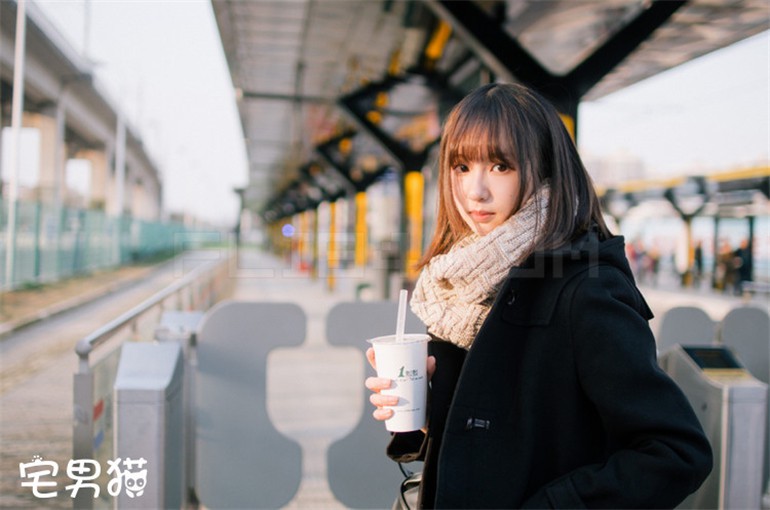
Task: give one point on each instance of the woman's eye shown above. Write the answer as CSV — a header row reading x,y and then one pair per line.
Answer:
x,y
460,168
500,167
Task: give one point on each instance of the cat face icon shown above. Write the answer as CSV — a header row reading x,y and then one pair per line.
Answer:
x,y
135,483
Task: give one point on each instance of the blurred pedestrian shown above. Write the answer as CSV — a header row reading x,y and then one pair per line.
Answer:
x,y
725,274
742,262
697,263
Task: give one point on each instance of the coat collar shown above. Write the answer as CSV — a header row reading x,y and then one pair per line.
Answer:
x,y
587,249
540,280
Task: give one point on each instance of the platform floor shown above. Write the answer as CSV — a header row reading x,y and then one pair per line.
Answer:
x,y
315,392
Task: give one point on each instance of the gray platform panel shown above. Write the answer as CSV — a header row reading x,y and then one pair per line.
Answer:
x,y
747,331
360,474
685,325
242,461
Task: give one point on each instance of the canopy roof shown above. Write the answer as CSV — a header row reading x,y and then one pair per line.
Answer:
x,y
291,62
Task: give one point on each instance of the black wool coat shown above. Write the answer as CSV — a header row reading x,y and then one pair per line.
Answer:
x,y
559,403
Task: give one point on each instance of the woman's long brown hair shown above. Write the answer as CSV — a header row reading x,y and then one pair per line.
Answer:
x,y
512,124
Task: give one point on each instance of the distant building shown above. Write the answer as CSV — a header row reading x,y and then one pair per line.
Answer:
x,y
613,169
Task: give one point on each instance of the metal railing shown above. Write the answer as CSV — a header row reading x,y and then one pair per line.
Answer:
x,y
99,353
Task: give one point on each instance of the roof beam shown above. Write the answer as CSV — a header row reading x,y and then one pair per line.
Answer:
x,y
273,96
509,60
351,103
589,72
500,52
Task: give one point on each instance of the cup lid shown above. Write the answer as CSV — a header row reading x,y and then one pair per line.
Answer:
x,y
408,338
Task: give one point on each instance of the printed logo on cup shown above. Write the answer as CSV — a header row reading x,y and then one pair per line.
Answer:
x,y
412,375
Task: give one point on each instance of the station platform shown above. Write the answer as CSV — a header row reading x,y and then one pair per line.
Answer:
x,y
315,392
21,308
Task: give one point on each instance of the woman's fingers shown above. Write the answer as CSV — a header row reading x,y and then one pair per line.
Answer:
x,y
379,400
431,366
370,357
377,383
382,414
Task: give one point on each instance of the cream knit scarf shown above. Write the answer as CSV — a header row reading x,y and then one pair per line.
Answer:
x,y
455,291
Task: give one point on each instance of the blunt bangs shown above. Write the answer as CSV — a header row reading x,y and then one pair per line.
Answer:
x,y
481,132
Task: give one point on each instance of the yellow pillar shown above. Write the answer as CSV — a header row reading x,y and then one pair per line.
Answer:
x,y
414,188
273,237
687,278
438,41
331,252
314,262
362,233
302,240
569,123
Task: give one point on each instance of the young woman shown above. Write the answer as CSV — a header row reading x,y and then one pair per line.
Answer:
x,y
545,390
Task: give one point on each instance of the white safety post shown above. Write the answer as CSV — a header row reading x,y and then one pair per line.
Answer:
x,y
15,145
120,178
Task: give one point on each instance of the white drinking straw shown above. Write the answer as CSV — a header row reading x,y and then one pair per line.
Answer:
x,y
401,315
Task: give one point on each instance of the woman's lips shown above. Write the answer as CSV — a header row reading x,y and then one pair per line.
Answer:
x,y
481,216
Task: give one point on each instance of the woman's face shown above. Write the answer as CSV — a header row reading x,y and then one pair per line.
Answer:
x,y
484,193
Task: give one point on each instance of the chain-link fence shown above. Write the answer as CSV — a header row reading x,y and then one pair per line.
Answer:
x,y
52,244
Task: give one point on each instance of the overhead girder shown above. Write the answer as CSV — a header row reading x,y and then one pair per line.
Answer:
x,y
316,175
358,104
509,60
714,189
360,180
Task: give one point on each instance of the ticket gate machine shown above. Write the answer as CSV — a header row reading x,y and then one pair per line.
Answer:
x,y
732,408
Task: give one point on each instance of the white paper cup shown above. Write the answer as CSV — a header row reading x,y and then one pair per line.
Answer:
x,y
404,363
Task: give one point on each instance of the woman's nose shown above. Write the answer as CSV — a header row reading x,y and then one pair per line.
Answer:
x,y
478,188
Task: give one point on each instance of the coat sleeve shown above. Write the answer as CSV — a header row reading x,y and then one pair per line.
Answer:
x,y
412,446
658,453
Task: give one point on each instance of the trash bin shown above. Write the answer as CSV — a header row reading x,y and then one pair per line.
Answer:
x,y
731,405
148,422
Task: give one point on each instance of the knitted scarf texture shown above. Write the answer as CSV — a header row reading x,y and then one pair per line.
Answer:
x,y
455,291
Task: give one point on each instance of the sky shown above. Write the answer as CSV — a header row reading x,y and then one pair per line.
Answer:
x,y
165,60
707,115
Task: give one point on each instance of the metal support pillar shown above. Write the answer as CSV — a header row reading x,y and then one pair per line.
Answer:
x,y
699,191
414,191
750,248
331,249
16,113
362,234
715,262
408,159
315,250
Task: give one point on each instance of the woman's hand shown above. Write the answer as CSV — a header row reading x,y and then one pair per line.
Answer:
x,y
377,384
